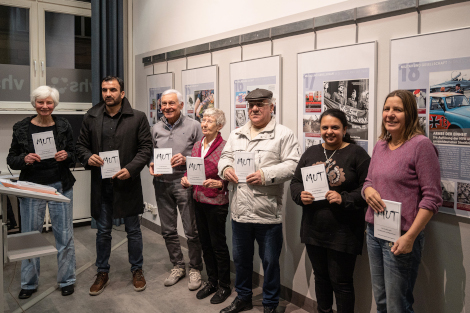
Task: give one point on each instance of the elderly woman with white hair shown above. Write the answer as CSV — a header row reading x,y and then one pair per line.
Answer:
x,y
211,208
53,172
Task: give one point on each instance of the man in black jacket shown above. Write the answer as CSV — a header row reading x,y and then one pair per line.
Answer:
x,y
113,125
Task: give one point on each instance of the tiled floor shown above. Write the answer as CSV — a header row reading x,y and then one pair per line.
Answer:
x,y
119,296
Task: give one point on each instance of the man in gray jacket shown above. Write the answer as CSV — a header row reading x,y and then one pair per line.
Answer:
x,y
256,206
180,133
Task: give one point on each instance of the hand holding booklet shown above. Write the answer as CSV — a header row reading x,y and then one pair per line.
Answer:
x,y
44,145
244,165
315,181
195,170
387,224
162,160
111,165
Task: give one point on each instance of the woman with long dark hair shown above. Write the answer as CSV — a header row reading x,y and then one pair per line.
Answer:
x,y
333,229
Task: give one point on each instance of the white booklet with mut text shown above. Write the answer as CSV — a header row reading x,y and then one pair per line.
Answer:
x,y
111,165
315,181
195,170
162,160
44,145
244,164
387,224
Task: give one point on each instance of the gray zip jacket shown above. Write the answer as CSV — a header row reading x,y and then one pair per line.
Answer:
x,y
277,153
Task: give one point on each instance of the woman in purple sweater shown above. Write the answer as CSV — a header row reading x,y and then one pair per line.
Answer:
x,y
211,208
404,168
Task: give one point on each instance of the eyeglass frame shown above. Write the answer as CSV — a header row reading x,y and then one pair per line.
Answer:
x,y
251,104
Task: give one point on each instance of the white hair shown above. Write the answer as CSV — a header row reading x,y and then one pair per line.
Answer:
x,y
174,91
44,92
218,114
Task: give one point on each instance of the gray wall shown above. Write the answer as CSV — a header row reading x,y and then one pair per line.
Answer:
x,y
441,285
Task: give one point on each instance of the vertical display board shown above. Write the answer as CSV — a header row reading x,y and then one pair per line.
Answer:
x,y
436,68
156,85
343,78
246,76
200,90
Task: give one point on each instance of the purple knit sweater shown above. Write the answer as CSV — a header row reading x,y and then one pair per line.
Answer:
x,y
410,175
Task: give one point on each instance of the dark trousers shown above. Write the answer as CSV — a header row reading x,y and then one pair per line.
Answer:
x,y
170,196
105,226
269,238
333,273
210,220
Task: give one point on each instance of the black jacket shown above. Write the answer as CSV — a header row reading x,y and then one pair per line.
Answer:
x,y
134,143
19,149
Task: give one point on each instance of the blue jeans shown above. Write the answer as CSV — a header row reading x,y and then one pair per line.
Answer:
x,y
269,238
393,277
103,236
32,218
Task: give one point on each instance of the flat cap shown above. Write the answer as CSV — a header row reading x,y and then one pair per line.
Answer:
x,y
259,95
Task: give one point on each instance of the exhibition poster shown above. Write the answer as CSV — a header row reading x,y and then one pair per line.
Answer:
x,y
156,85
199,90
440,80
329,80
446,120
347,90
246,76
245,86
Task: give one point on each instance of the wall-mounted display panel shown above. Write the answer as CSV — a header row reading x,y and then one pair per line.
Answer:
x,y
436,69
343,78
200,90
156,85
246,76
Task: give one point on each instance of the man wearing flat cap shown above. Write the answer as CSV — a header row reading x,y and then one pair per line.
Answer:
x,y
256,205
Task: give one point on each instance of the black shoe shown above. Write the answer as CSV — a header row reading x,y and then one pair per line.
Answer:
x,y
67,290
207,289
221,295
270,309
238,305
26,293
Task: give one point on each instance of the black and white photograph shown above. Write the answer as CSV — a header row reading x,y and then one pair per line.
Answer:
x,y
240,118
463,196
311,124
351,97
448,193
422,123
311,142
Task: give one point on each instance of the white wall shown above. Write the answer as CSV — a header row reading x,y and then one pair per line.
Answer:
x,y
446,261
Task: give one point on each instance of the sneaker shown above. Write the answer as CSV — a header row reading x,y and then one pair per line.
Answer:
x,y
176,274
101,281
207,289
238,305
138,280
221,295
194,279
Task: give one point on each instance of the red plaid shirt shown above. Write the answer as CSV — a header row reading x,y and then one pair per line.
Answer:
x,y
202,194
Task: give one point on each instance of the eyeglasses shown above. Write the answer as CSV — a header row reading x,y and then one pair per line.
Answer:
x,y
207,121
171,103
251,104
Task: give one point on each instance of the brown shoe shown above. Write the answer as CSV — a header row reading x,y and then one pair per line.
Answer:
x,y
100,283
139,280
